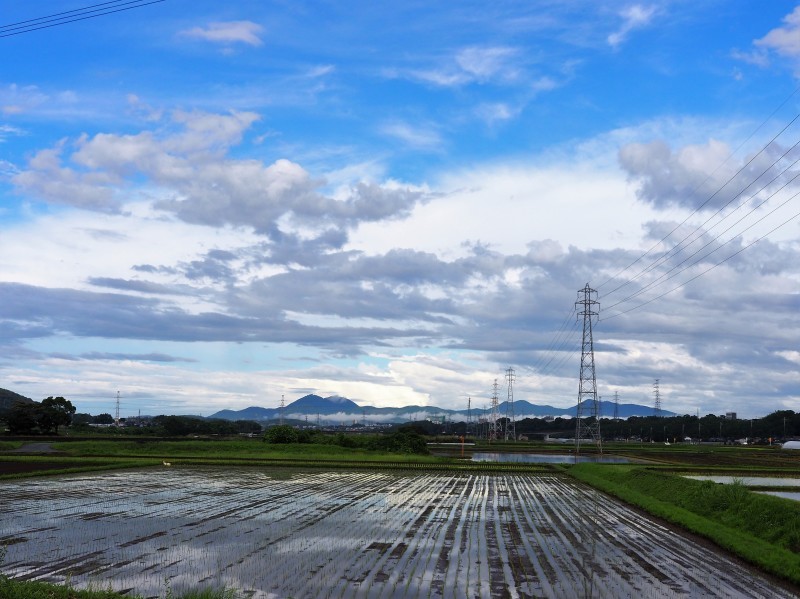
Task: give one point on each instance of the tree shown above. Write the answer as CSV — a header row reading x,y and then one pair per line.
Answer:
x,y
282,433
103,418
22,417
55,412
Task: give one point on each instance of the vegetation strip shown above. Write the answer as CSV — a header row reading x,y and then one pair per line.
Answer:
x,y
761,529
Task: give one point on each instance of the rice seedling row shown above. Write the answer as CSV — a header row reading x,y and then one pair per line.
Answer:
x,y
371,534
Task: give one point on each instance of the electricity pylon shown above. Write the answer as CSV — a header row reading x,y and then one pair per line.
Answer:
x,y
657,401
511,426
493,418
588,308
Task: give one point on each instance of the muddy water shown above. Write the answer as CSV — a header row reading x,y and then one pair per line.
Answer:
x,y
360,534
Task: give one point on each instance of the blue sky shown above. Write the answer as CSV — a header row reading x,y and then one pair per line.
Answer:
x,y
208,206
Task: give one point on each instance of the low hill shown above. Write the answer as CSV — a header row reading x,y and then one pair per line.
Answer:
x,y
9,398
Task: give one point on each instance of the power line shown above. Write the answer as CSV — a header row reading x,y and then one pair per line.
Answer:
x,y
693,236
720,263
71,16
656,283
696,188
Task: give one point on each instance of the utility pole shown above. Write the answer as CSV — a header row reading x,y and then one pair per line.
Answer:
x,y
588,308
511,426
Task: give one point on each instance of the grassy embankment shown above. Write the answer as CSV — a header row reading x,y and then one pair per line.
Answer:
x,y
14,589
761,529
86,455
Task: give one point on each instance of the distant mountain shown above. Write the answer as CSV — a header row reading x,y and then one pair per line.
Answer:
x,y
9,398
340,409
314,404
251,413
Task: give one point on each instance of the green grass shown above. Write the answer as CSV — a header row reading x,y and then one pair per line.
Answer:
x,y
250,449
72,465
18,589
761,529
6,445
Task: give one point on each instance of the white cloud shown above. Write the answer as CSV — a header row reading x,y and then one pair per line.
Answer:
x,y
633,17
508,206
227,32
16,99
415,136
188,167
475,64
784,40
486,63
8,130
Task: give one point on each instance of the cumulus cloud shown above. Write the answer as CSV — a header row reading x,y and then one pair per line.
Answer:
x,y
228,32
696,174
784,40
199,183
633,17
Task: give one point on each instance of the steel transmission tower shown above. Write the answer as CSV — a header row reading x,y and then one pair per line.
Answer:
x,y
116,416
493,418
469,416
588,308
511,425
616,406
657,400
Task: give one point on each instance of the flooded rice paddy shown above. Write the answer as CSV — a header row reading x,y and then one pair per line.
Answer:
x,y
352,534
749,481
547,458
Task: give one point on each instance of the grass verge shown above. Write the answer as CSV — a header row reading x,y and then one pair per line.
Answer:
x,y
761,529
18,589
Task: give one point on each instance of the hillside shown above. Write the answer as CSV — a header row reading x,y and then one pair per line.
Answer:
x,y
9,398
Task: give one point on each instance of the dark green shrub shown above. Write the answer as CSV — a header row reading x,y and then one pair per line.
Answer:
x,y
281,434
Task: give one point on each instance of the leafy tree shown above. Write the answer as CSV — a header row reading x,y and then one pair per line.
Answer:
x,y
401,442
22,417
82,419
55,412
103,419
280,434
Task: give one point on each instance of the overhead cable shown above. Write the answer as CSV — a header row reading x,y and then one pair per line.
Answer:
x,y
70,16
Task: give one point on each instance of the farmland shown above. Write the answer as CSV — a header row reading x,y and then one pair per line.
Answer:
x,y
272,533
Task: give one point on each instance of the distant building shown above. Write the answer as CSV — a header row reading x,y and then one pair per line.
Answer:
x,y
730,415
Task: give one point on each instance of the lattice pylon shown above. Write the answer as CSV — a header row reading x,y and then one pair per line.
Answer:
x,y
511,423
588,308
493,432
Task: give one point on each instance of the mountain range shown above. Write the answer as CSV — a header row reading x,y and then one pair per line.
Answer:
x,y
338,410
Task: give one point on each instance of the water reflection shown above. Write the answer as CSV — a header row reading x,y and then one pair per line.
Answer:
x,y
749,481
546,458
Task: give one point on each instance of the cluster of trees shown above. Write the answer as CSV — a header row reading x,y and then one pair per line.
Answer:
x,y
81,419
780,425
45,417
179,426
403,440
